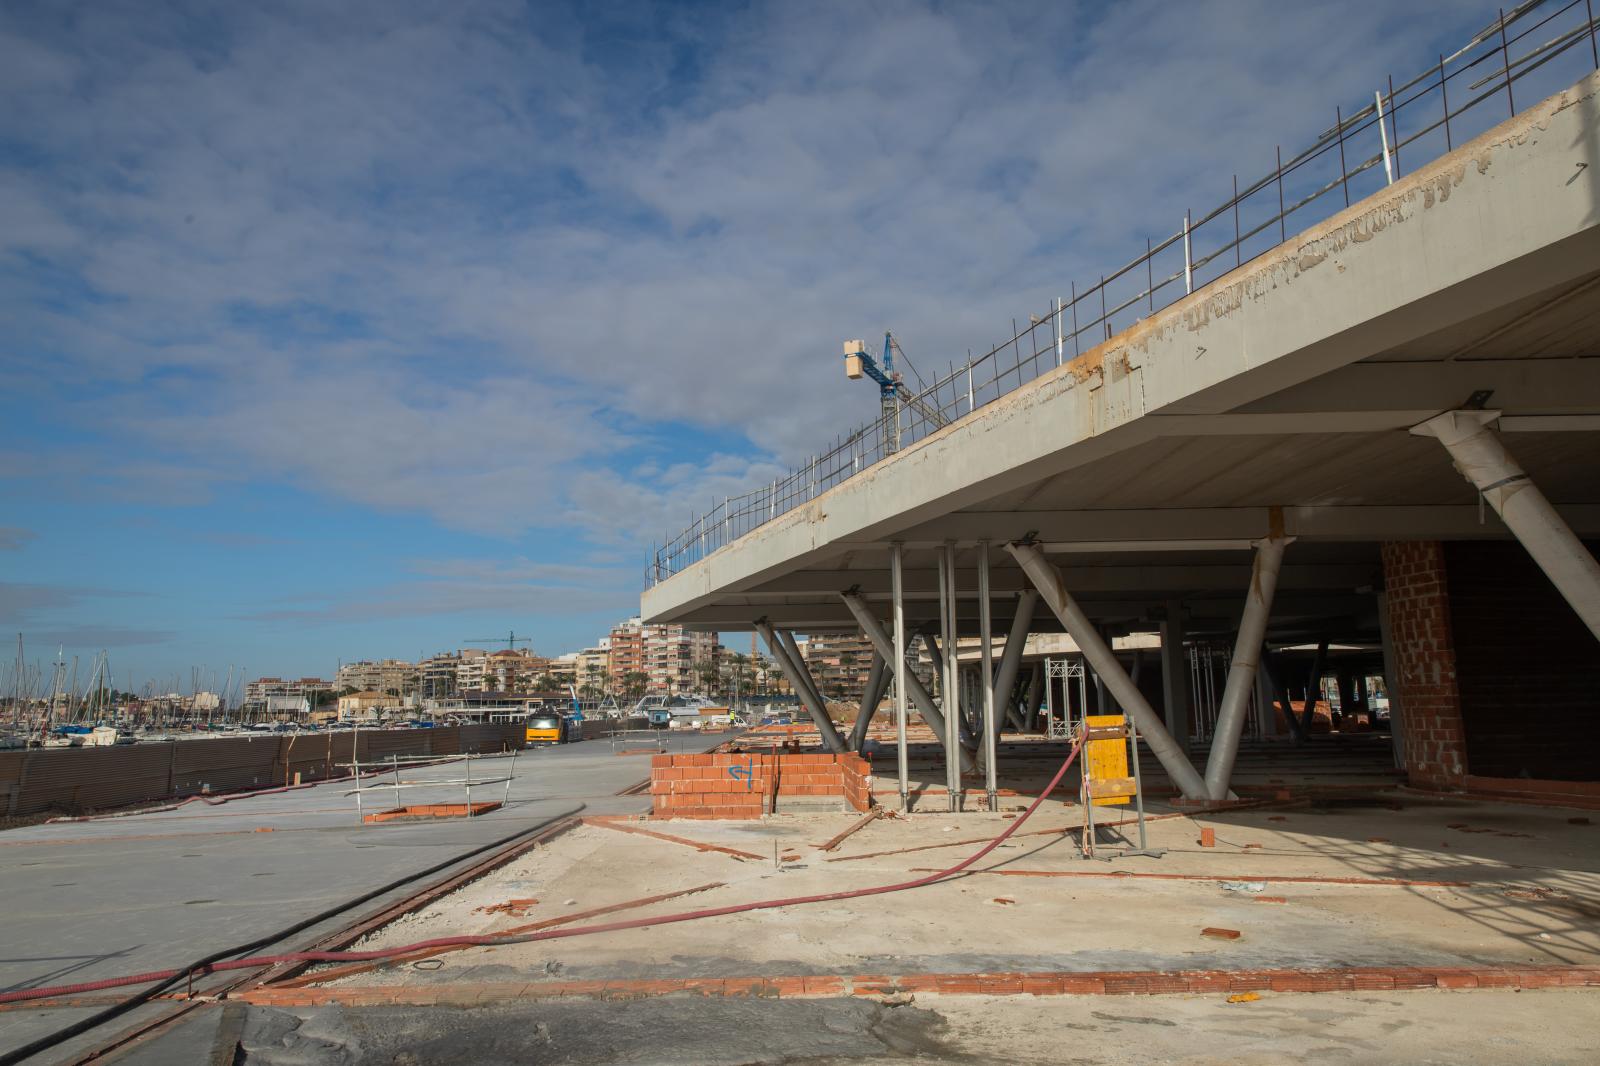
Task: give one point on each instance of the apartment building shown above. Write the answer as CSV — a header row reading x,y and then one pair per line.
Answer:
x,y
670,657
839,663
278,694
394,676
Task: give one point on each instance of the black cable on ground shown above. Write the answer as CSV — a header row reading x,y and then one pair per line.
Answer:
x,y
94,1021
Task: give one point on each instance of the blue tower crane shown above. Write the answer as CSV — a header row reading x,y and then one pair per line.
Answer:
x,y
892,391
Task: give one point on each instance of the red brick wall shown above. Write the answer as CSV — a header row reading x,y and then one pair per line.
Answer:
x,y
750,785
1424,652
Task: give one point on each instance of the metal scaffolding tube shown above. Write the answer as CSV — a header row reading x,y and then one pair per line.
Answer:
x,y
800,682
1005,678
902,760
1047,579
871,694
1246,662
986,658
913,684
1482,459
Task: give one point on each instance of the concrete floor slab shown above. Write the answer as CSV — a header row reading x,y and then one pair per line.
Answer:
x,y
88,900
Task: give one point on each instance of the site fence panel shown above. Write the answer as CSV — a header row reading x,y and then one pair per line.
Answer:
x,y
11,763
76,780
224,764
86,779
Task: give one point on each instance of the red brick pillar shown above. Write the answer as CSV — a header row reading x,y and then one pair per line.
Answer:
x,y
1418,601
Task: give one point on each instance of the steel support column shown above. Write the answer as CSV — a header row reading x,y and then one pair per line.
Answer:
x,y
1005,680
871,695
913,684
951,688
1484,461
797,659
986,677
1246,661
897,584
800,682
1047,580
1175,674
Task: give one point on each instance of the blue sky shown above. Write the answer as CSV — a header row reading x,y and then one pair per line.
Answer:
x,y
357,330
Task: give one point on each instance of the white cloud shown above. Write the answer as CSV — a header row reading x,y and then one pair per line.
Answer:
x,y
468,263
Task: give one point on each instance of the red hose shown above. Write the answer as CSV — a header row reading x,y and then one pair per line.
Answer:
x,y
490,940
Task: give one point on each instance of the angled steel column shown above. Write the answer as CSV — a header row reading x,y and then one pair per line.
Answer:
x,y
1246,660
871,694
801,685
914,687
897,576
1308,713
1005,679
798,660
935,653
950,687
1047,579
986,657
1036,683
1175,674
1484,461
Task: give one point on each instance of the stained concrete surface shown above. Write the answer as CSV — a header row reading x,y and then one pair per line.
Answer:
x,y
88,900
1529,894
1546,1027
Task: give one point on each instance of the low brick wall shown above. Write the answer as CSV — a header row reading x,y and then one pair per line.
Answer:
x,y
750,785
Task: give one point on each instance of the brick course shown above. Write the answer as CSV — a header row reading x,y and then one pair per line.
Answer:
x,y
1418,602
748,785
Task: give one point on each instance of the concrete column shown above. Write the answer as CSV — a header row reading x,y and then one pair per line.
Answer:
x,y
1175,674
1005,680
914,687
897,583
1047,579
800,682
1246,658
1481,457
871,694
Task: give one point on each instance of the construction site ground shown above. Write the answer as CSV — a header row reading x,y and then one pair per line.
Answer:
x,y
1332,914
1348,919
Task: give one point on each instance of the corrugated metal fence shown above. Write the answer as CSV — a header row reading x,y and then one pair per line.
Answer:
x,y
74,780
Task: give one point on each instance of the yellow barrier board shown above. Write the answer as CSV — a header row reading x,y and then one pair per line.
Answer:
x,y
1105,762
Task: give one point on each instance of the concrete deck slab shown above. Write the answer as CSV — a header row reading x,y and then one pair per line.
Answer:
x,y
89,900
